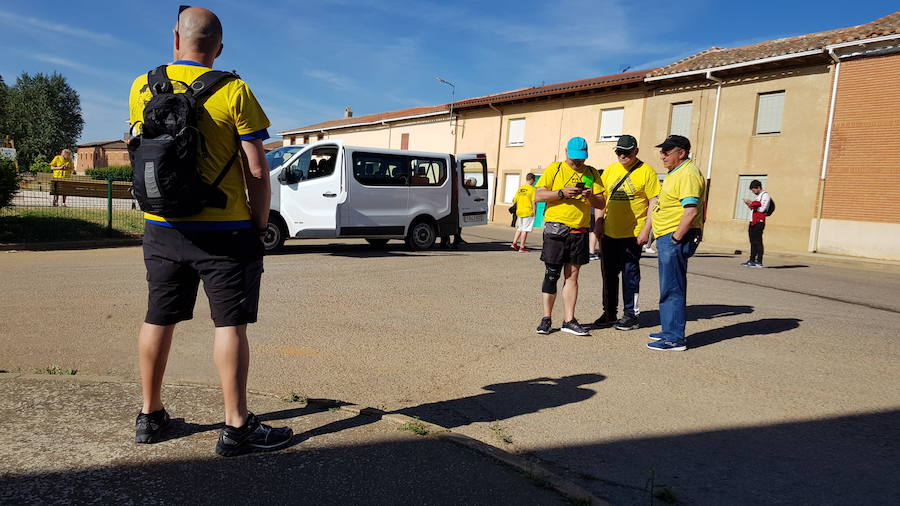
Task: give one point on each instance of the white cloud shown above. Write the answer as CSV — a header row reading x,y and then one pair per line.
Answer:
x,y
96,37
335,80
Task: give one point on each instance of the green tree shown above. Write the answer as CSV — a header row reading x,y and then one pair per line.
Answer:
x,y
44,116
3,122
9,182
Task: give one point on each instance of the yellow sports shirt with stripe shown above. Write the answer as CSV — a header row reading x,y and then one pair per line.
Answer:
x,y
574,212
232,114
683,186
524,201
626,210
66,166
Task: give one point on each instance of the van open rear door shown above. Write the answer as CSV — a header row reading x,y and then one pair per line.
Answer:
x,y
473,189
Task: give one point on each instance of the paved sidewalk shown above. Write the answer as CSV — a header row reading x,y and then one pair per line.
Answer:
x,y
69,440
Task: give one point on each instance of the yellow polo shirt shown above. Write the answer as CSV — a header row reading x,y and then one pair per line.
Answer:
x,y
626,210
683,186
524,201
573,212
65,166
231,111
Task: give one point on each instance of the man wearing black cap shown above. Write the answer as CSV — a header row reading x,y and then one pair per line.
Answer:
x,y
632,189
677,223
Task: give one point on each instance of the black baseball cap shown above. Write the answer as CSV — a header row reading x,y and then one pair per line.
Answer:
x,y
626,142
675,141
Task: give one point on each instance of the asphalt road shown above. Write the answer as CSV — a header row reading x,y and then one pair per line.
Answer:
x,y
789,394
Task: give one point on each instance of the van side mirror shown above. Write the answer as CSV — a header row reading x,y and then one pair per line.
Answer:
x,y
282,176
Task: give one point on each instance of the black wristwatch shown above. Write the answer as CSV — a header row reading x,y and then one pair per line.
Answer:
x,y
561,194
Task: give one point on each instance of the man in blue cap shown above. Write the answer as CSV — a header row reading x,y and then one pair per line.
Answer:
x,y
571,189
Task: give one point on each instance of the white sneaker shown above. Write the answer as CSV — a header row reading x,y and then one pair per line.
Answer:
x,y
649,249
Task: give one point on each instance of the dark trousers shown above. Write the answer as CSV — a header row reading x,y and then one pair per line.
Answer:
x,y
756,241
621,256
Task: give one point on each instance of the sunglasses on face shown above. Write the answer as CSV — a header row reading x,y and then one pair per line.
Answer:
x,y
624,152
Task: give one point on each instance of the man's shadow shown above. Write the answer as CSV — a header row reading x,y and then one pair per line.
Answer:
x,y
756,328
502,401
697,312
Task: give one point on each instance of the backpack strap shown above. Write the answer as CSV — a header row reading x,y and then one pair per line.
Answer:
x,y
158,80
206,83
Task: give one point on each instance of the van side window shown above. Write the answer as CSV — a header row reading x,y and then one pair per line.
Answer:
x,y
428,172
313,164
380,170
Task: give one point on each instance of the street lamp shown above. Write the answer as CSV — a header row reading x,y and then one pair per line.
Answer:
x,y
452,99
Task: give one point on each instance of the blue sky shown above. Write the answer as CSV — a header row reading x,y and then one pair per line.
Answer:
x,y
307,60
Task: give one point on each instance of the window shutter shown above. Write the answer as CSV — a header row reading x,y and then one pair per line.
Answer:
x,y
769,113
516,132
611,123
681,119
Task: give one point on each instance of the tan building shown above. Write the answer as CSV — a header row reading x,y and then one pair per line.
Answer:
x,y
762,111
758,112
101,154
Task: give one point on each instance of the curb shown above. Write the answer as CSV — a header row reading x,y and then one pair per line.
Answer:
x,y
526,467
71,245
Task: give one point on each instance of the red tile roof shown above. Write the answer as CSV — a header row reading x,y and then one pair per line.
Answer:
x,y
370,118
634,76
718,57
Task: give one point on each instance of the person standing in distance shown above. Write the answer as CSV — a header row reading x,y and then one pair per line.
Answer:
x,y
524,201
220,246
571,189
626,229
677,224
759,207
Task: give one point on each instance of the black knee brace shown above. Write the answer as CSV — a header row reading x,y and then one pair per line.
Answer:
x,y
551,276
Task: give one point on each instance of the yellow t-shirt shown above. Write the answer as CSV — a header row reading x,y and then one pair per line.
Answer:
x,y
626,210
66,166
573,212
683,186
231,111
524,201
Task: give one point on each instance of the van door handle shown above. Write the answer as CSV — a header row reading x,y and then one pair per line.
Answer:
x,y
329,194
479,200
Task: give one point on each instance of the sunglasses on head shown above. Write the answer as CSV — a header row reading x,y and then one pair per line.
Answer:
x,y
181,8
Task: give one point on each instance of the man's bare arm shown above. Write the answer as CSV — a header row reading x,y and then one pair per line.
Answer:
x,y
259,190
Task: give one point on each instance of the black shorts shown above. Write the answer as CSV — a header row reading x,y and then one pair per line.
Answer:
x,y
571,250
228,261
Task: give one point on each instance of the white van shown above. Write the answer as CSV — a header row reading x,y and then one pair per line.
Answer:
x,y
329,190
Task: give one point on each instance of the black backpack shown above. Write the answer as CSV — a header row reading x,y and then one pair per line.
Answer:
x,y
165,156
771,208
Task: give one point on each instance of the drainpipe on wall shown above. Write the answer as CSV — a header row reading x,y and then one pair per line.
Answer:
x,y
814,246
712,136
497,174
384,123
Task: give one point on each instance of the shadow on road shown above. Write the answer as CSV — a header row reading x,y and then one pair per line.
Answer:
x,y
392,249
796,266
697,312
759,327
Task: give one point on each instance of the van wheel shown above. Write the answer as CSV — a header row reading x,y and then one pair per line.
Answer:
x,y
275,235
377,243
421,236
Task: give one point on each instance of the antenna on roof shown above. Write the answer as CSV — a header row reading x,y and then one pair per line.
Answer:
x,y
624,69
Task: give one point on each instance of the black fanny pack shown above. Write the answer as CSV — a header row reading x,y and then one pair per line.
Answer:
x,y
556,230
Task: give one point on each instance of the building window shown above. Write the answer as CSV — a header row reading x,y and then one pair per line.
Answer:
x,y
611,123
680,123
516,134
741,211
769,111
404,141
305,139
511,186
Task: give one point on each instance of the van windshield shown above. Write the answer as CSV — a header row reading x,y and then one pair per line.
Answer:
x,y
280,155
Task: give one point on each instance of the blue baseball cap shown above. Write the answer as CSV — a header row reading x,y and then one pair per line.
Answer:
x,y
576,149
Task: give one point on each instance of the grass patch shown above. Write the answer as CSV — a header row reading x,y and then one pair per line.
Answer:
x,y
334,408
295,397
415,426
500,432
49,224
55,369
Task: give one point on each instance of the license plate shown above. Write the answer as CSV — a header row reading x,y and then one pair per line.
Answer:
x,y
476,217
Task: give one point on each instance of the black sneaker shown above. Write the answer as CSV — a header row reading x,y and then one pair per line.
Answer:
x,y
544,327
605,321
150,428
627,322
253,436
573,327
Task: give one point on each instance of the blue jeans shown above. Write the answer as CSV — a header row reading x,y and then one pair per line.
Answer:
x,y
673,259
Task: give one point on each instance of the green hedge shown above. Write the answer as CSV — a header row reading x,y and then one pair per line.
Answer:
x,y
116,172
9,182
40,164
